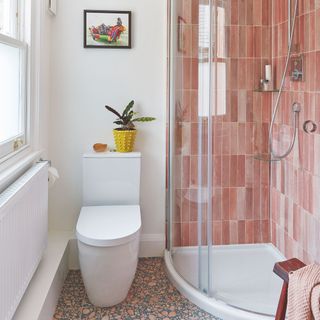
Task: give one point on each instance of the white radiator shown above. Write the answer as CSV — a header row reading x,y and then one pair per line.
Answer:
x,y
23,235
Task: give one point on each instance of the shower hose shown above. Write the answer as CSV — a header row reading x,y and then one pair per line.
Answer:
x,y
296,107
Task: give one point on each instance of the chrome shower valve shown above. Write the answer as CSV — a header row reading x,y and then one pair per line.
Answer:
x,y
296,75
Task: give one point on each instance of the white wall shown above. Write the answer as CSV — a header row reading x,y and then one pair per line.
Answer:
x,y
84,80
44,57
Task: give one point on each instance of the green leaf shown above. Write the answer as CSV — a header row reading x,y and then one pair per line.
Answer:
x,y
128,108
114,111
143,119
126,120
118,122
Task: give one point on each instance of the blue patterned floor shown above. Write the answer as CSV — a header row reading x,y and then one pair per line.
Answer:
x,y
151,297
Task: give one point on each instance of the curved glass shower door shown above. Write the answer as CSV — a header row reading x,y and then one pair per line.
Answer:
x,y
190,144
218,192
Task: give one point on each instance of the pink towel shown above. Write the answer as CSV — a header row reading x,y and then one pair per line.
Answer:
x,y
315,302
304,294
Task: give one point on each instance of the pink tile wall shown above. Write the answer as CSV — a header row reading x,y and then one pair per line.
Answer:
x,y
295,189
240,183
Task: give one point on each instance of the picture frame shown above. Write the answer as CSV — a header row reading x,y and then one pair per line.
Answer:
x,y
107,29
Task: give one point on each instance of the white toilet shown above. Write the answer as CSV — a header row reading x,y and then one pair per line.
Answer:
x,y
108,228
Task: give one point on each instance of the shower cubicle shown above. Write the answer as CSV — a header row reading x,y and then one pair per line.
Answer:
x,y
219,251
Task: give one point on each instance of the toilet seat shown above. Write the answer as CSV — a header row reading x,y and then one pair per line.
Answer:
x,y
106,226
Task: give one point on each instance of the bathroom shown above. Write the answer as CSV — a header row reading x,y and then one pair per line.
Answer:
x,y
220,191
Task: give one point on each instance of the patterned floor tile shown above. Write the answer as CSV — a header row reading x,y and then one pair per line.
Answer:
x,y
151,297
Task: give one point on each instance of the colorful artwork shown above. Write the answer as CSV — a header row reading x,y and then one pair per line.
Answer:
x,y
107,29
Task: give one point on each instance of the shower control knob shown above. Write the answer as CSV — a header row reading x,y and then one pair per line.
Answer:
x,y
309,126
297,75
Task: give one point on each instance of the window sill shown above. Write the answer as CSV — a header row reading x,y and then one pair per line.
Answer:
x,y
11,169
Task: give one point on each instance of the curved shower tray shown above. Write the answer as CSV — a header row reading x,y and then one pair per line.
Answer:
x,y
257,291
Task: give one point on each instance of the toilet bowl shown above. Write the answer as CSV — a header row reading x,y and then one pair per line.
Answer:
x,y
108,227
108,242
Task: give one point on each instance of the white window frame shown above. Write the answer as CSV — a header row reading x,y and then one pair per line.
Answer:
x,y
32,28
218,69
13,144
12,147
15,26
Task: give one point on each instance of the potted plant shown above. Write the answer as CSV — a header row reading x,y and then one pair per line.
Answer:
x,y
124,136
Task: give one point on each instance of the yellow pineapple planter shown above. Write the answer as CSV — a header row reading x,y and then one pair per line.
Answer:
x,y
124,139
125,136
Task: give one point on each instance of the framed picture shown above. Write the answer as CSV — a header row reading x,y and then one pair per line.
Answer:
x,y
107,29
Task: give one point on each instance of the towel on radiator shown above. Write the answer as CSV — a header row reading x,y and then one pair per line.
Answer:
x,y
304,294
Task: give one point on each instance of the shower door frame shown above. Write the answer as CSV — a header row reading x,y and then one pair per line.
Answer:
x,y
205,260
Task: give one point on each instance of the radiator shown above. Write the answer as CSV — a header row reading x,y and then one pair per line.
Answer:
x,y
23,235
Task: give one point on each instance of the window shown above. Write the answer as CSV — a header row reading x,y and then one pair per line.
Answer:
x,y
13,69
218,69
8,17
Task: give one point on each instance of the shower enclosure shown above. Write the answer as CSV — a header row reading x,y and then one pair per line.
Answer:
x,y
219,236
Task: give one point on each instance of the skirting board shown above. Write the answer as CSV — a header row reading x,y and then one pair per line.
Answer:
x,y
52,298
151,245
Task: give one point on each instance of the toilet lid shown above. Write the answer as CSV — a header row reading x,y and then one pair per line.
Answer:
x,y
105,226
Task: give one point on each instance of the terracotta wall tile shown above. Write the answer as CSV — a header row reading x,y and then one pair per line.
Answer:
x,y
295,202
240,183
249,12
257,12
234,12
317,29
